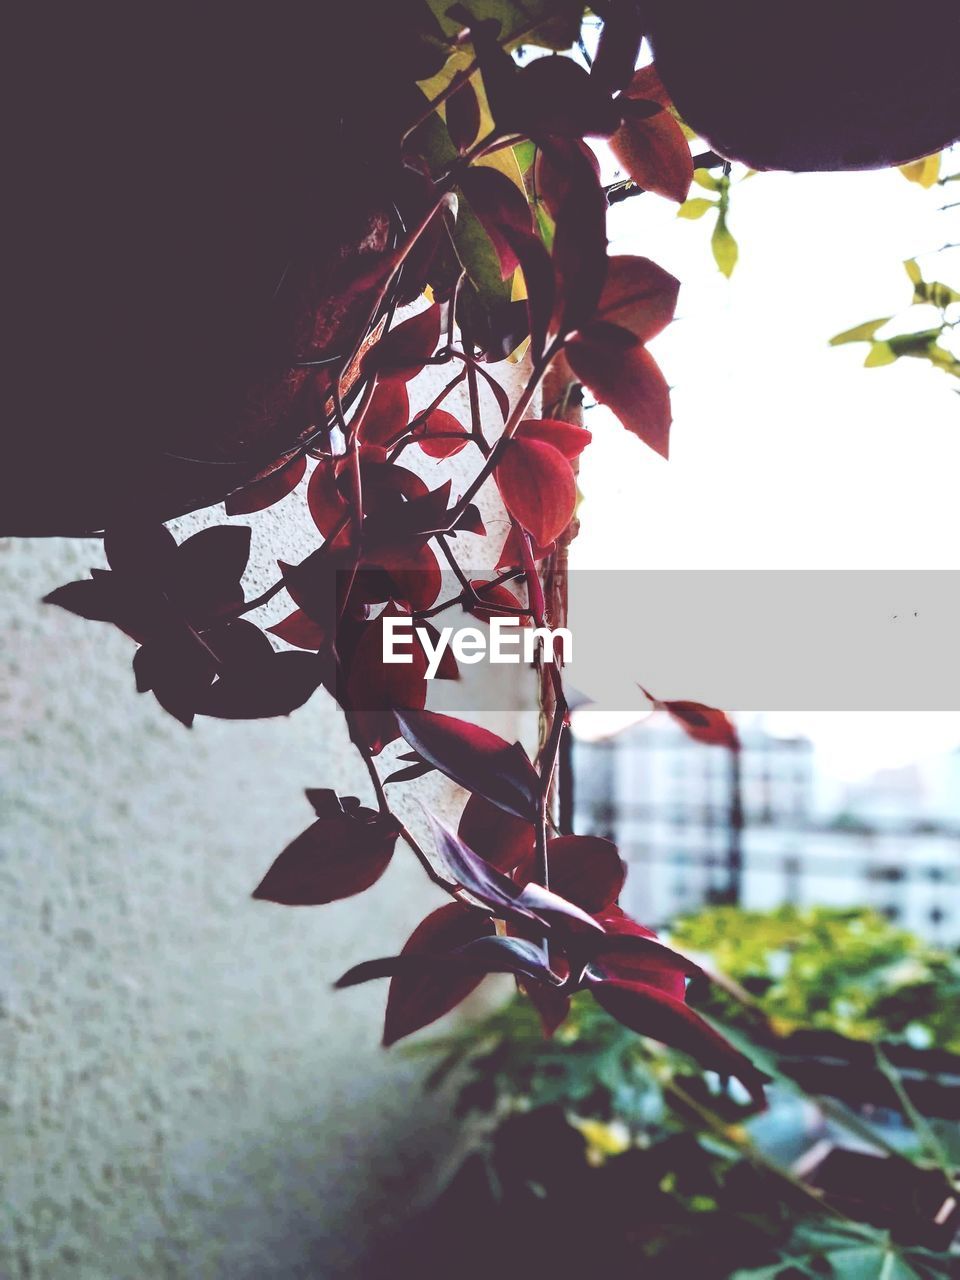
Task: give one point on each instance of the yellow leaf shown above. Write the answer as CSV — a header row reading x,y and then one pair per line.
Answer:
x,y
725,251
603,1140
880,353
696,207
704,178
925,172
459,60
913,271
861,333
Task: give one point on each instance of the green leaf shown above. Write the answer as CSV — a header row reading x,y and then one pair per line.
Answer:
x,y
761,1273
912,270
860,333
914,344
725,251
870,1262
696,207
880,353
526,153
936,294
704,178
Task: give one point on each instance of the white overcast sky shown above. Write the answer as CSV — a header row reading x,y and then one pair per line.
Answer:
x,y
787,453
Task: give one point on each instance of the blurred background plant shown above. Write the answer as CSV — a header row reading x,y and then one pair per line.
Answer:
x,y
832,968
850,1172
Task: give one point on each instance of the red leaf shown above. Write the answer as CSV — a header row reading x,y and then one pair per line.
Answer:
x,y
264,493
209,567
476,759
463,117
471,522
646,84
374,688
554,909
499,837
663,1017
538,487
633,953
412,569
556,97
387,414
274,686
416,1001
501,397
178,667
580,245
511,553
564,436
498,891
502,209
638,296
299,630
540,279
499,602
336,857
623,375
144,551
327,504
655,154
587,870
489,954
94,598
443,424
618,47
702,723
551,1004
559,166
406,349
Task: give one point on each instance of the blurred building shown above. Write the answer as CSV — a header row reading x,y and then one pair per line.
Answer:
x,y
698,826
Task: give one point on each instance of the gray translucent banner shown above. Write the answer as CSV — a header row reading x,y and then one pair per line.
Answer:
x,y
759,640
740,640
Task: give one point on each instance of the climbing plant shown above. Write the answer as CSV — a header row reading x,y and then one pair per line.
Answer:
x,y
485,213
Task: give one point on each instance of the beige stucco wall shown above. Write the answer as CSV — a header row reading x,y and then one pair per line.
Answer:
x,y
184,1094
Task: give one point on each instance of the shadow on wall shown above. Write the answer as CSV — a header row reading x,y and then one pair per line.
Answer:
x,y
186,1093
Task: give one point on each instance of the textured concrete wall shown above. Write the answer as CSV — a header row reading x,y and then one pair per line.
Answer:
x,y
185,1094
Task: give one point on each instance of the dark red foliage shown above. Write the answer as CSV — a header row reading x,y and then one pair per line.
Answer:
x,y
463,117
345,851
476,759
374,690
568,439
442,435
299,630
499,837
702,723
498,602
638,296
538,487
656,1013
503,212
580,242
556,98
416,1001
405,349
387,414
265,492
655,154
587,870
622,374
330,385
